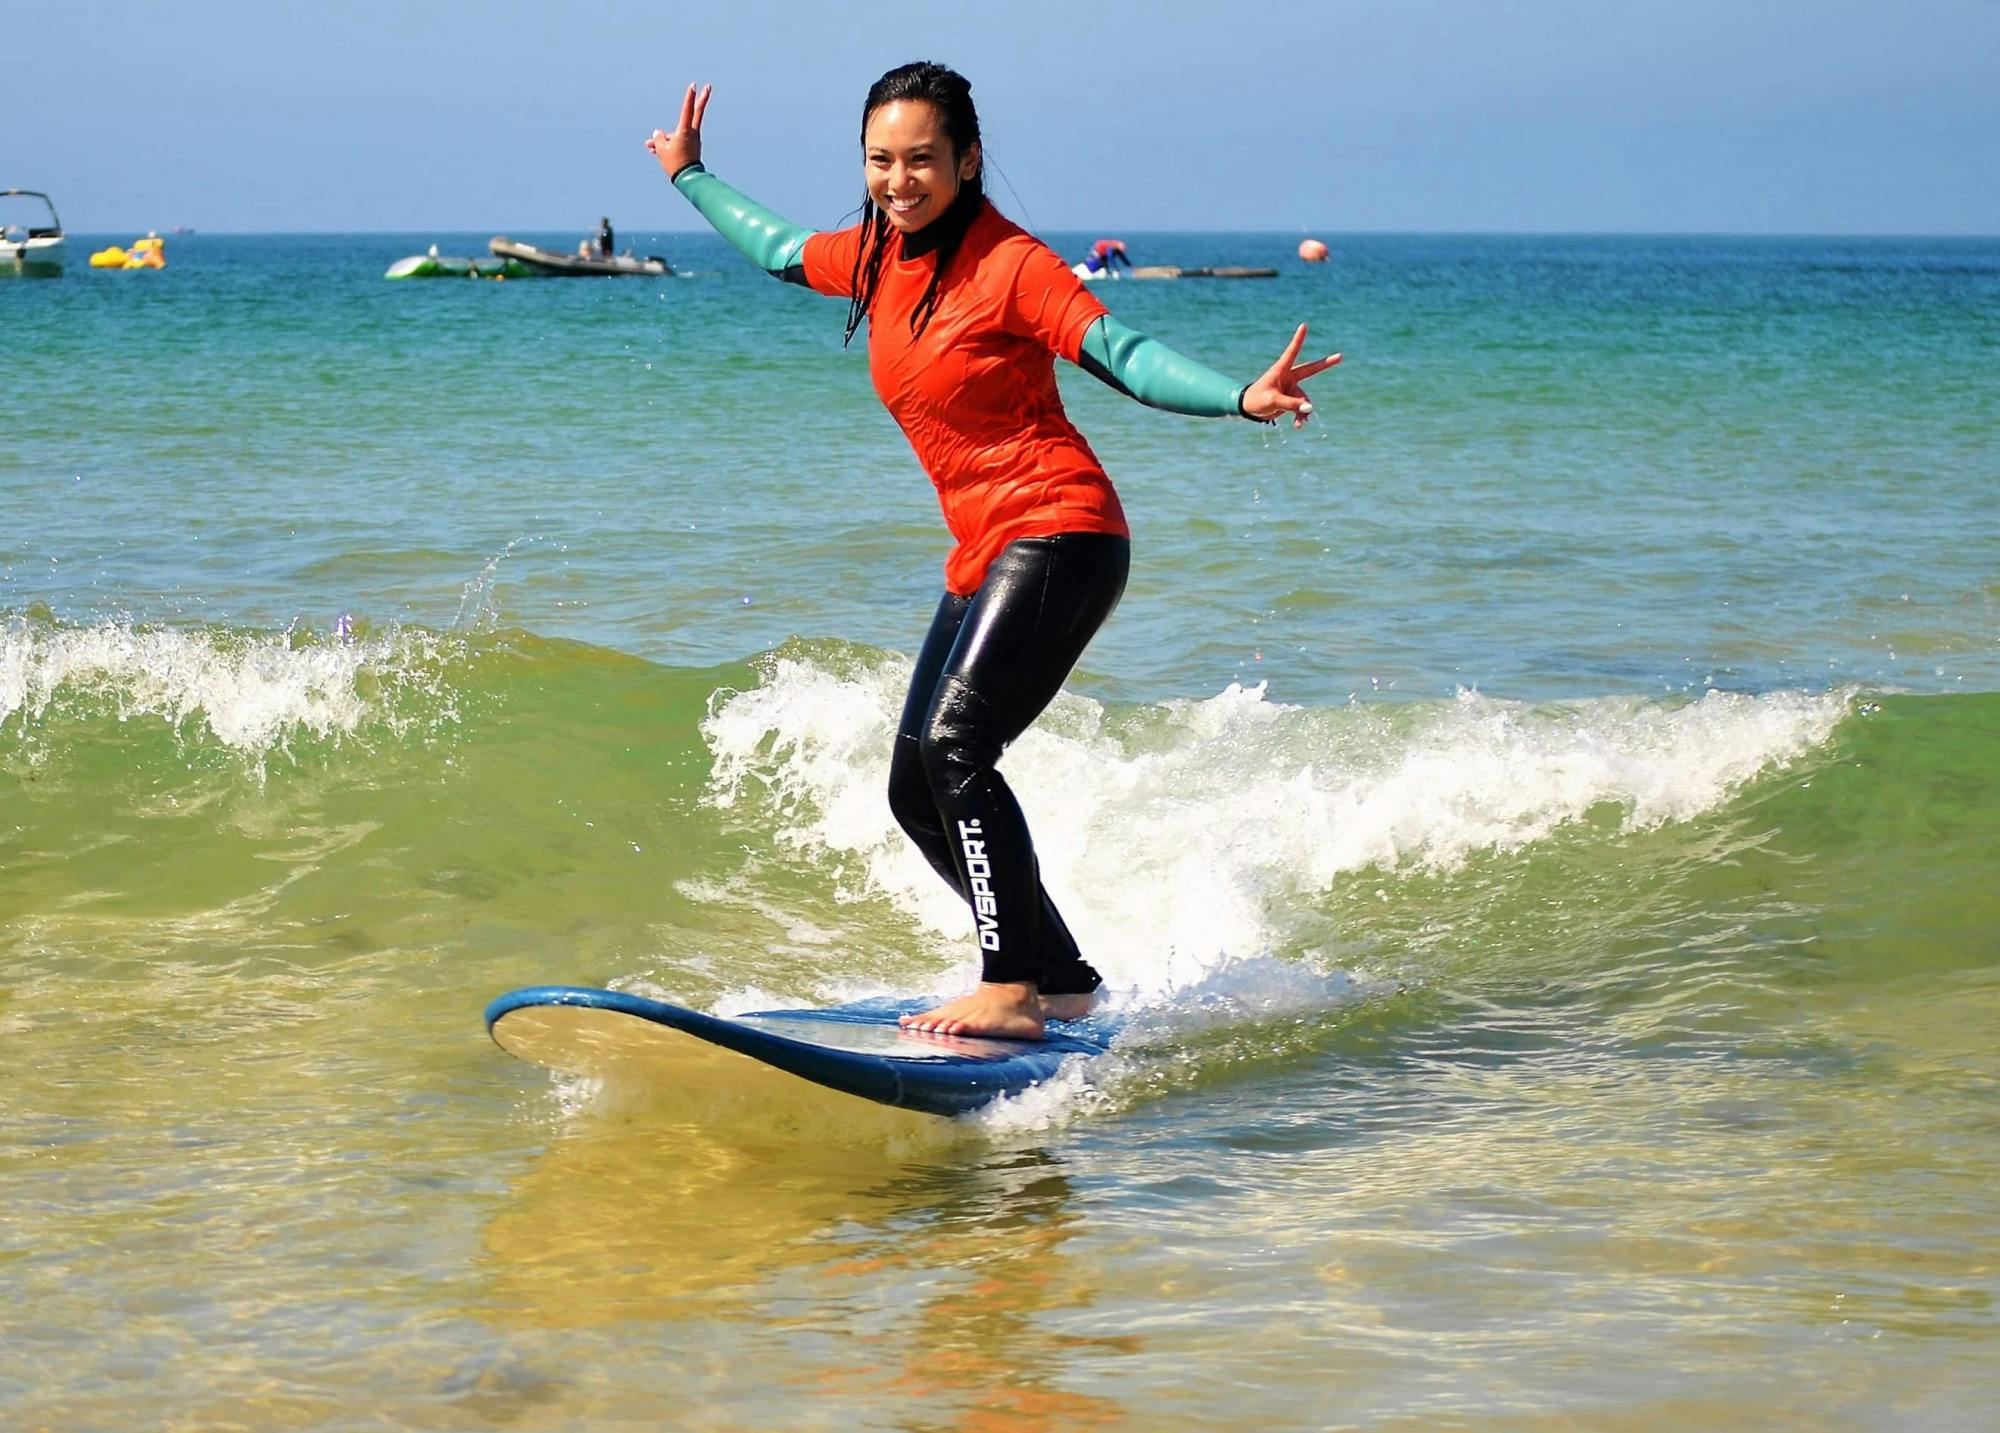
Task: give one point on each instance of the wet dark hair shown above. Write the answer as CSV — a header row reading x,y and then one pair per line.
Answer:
x,y
950,93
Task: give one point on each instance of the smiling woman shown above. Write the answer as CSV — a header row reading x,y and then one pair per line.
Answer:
x,y
967,313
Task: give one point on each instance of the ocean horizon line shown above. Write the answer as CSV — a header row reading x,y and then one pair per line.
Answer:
x,y
1969,236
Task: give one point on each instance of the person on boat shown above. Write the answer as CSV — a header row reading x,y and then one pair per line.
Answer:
x,y
1105,256
606,244
967,313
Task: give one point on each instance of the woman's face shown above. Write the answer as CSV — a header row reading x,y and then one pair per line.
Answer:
x,y
907,159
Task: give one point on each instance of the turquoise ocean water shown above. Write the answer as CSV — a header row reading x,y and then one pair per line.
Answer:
x,y
1539,821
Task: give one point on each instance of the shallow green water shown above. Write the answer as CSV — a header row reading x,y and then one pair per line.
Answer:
x,y
1539,823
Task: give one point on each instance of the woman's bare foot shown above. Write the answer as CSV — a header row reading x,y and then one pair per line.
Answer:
x,y
1068,1007
1008,1011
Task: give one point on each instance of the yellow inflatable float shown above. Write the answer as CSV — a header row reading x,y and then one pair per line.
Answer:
x,y
147,253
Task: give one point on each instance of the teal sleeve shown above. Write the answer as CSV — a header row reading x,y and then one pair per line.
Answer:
x,y
771,243
1146,369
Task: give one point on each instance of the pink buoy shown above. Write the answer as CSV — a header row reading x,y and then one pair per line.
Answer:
x,y
1313,251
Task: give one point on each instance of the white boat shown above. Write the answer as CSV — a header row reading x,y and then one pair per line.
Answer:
x,y
433,265
26,246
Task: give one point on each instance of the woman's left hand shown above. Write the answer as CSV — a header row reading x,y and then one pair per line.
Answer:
x,y
1278,393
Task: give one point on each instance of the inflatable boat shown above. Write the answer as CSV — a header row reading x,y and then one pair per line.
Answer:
x,y
590,265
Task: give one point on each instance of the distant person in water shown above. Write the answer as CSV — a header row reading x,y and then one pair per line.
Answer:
x,y
606,244
966,315
1105,256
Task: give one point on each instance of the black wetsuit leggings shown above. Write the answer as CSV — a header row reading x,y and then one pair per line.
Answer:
x,y
991,662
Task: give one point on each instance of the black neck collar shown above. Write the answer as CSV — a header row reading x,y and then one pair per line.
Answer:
x,y
948,225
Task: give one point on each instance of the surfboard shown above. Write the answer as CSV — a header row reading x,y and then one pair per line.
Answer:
x,y
1171,271
856,1049
1227,271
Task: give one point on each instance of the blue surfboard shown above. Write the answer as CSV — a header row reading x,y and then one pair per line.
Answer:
x,y
856,1049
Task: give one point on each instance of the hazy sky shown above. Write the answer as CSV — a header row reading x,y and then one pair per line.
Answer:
x,y
1821,116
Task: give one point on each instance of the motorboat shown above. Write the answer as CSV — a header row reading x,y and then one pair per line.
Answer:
x,y
586,262
26,246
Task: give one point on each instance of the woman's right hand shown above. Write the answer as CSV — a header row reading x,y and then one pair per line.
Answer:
x,y
1277,392
678,150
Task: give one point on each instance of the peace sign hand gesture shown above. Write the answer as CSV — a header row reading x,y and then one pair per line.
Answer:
x,y
1278,391
678,150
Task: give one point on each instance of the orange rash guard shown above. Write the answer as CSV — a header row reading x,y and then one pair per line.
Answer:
x,y
975,393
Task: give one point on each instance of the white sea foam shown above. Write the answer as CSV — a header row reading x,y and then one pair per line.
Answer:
x,y
1178,840
251,693
1253,994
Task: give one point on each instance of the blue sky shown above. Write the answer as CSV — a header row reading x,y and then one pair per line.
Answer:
x,y
1821,116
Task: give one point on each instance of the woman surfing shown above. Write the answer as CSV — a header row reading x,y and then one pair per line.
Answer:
x,y
966,315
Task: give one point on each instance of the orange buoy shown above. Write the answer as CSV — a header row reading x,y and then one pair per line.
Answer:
x,y
1313,251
